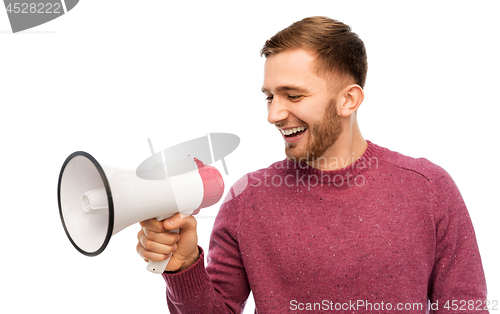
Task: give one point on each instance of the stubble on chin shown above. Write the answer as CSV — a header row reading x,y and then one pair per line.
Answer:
x,y
322,135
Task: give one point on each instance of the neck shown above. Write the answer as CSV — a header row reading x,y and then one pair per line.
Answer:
x,y
349,147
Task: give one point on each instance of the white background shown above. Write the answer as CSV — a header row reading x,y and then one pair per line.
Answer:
x,y
109,74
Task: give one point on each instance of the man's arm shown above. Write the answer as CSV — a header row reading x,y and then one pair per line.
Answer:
x,y
457,282
221,287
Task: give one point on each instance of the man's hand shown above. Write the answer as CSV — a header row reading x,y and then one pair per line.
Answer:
x,y
156,243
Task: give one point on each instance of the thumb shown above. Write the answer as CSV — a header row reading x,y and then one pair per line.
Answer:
x,y
186,253
186,223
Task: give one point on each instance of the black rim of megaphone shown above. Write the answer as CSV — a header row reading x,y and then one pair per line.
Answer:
x,y
110,202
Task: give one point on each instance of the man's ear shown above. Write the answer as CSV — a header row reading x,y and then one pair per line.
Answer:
x,y
350,98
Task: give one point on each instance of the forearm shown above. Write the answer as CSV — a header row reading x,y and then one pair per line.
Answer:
x,y
222,286
192,291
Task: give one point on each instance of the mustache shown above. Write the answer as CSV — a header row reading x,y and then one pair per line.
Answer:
x,y
293,123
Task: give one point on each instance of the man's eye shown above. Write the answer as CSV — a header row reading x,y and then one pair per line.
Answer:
x,y
294,97
269,99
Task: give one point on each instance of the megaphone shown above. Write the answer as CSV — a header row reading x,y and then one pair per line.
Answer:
x,y
96,202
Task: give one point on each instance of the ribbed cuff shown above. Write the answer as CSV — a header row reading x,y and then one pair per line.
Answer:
x,y
189,282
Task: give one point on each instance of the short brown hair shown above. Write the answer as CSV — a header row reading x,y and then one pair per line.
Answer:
x,y
337,47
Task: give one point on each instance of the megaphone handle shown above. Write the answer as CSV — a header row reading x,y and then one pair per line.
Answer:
x,y
159,267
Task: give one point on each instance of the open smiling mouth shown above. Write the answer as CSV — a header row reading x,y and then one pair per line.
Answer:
x,y
294,132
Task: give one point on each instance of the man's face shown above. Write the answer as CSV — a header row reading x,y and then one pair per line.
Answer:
x,y
298,100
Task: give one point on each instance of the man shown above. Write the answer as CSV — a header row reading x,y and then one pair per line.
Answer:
x,y
341,224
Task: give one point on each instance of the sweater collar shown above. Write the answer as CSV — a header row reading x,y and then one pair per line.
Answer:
x,y
367,160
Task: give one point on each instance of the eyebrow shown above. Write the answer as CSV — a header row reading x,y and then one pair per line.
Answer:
x,y
286,88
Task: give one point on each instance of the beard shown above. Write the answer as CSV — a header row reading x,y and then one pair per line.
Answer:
x,y
322,135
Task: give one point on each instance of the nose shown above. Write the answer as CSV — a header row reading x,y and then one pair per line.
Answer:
x,y
276,111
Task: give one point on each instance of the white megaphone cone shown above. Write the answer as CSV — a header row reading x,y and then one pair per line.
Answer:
x,y
96,202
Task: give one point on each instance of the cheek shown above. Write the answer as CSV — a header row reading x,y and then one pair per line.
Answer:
x,y
307,118
304,114
311,112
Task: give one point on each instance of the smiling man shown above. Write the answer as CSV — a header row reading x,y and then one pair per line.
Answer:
x,y
341,224
302,104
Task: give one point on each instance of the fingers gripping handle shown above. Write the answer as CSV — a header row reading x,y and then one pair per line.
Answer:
x,y
211,190
159,267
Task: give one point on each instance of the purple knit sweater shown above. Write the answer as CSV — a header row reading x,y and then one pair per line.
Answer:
x,y
388,233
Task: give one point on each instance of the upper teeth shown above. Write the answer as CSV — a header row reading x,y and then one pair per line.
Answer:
x,y
294,130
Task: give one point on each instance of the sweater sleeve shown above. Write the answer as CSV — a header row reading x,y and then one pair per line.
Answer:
x,y
222,286
457,282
